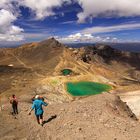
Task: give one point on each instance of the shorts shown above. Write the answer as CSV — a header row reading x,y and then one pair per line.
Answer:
x,y
39,116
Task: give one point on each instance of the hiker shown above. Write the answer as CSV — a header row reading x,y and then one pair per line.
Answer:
x,y
37,105
14,103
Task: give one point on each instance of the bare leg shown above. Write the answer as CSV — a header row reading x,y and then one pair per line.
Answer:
x,y
37,117
41,119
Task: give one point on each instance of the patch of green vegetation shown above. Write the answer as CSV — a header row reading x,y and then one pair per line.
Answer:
x,y
66,72
54,82
86,88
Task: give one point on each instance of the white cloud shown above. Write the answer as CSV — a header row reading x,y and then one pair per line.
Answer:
x,y
3,3
68,22
9,6
6,18
113,28
85,38
43,8
15,30
8,31
9,37
107,8
91,8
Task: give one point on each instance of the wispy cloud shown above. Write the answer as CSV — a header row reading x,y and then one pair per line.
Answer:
x,y
109,29
85,38
68,22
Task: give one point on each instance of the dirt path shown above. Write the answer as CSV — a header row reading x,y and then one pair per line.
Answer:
x,y
21,62
28,67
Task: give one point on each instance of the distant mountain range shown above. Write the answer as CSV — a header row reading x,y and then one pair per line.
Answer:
x,y
131,47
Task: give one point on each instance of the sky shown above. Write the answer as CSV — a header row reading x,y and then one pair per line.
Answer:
x,y
69,21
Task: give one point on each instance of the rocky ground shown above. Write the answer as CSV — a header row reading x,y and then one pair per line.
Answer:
x,y
100,117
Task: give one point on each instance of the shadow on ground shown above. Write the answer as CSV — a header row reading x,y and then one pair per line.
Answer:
x,y
50,119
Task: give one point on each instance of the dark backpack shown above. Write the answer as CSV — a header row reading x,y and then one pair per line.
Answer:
x,y
14,102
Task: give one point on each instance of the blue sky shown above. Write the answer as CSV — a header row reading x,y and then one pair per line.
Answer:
x,y
69,21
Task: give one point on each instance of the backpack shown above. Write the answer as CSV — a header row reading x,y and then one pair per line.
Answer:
x,y
14,101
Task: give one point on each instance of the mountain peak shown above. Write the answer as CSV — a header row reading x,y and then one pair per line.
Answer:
x,y
51,40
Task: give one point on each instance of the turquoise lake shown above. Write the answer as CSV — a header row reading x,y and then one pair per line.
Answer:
x,y
86,88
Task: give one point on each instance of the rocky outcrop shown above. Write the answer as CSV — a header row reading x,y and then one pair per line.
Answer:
x,y
109,54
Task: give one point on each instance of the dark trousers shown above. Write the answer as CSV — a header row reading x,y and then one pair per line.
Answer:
x,y
15,108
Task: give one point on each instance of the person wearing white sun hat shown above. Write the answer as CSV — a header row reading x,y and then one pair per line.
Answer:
x,y
37,105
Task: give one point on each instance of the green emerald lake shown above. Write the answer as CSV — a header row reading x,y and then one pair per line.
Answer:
x,y
86,88
66,71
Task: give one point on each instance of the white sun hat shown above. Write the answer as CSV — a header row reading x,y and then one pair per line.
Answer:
x,y
37,96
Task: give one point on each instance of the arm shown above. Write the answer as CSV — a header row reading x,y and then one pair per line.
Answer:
x,y
44,103
33,106
11,100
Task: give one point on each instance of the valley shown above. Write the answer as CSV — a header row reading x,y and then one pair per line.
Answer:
x,y
37,68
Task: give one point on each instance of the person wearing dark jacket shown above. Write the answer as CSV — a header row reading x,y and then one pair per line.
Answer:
x,y
14,103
